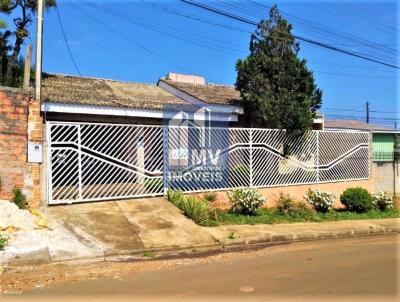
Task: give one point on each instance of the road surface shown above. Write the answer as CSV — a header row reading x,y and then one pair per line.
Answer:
x,y
356,269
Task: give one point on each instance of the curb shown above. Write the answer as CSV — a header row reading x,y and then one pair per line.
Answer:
x,y
228,245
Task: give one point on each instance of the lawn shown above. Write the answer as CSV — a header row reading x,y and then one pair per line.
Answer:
x,y
270,216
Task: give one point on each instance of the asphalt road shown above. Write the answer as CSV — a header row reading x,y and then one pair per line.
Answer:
x,y
362,269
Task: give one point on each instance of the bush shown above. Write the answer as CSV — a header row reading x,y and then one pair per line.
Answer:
x,y
192,208
210,197
195,210
19,198
245,201
3,241
382,201
285,204
321,201
175,197
357,200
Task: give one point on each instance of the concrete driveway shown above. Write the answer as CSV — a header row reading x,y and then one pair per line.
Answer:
x,y
118,227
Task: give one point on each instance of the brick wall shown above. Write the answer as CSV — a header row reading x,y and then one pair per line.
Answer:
x,y
20,122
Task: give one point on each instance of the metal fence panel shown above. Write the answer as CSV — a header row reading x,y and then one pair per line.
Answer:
x,y
91,162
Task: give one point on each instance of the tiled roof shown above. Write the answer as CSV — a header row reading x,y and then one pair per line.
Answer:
x,y
208,93
355,125
103,92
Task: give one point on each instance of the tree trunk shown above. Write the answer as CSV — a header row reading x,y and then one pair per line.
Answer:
x,y
13,59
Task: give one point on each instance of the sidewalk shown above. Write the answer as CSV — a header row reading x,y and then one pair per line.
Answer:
x,y
242,235
153,227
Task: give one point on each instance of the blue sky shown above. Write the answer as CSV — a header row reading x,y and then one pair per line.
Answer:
x,y
116,50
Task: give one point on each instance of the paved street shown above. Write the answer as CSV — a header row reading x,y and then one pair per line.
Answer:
x,y
363,268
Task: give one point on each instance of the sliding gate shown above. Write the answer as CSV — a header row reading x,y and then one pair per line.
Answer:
x,y
91,162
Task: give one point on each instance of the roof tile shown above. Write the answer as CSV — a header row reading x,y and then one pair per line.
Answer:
x,y
103,92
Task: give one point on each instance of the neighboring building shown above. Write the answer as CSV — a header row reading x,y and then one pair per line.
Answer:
x,y
385,159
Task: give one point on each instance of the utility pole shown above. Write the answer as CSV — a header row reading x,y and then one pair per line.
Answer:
x,y
39,40
27,69
367,111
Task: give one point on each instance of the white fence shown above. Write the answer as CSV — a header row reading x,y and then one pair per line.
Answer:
x,y
90,162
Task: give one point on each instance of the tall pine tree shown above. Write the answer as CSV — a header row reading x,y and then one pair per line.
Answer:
x,y
277,89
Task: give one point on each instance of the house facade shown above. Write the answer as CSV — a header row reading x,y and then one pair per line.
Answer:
x,y
93,139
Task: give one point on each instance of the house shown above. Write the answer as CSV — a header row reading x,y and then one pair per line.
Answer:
x,y
384,156
70,98
92,139
383,138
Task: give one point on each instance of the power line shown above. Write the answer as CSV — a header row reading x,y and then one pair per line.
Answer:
x,y
205,44
134,20
130,40
307,40
331,31
353,110
363,118
66,42
194,18
353,75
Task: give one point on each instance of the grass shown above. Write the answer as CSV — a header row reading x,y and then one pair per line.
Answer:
x,y
149,254
3,241
270,216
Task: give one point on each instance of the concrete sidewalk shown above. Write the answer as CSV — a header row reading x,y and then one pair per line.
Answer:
x,y
241,235
104,230
153,227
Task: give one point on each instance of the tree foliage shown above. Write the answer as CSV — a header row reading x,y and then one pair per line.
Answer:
x,y
277,89
11,40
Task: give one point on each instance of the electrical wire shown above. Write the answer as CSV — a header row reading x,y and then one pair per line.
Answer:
x,y
223,48
307,40
148,50
330,31
66,42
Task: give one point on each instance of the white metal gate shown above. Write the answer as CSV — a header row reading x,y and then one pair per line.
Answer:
x,y
91,162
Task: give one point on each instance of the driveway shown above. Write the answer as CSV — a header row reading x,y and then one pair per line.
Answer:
x,y
118,227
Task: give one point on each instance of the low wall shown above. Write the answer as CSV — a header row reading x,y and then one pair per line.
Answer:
x,y
387,177
20,122
297,192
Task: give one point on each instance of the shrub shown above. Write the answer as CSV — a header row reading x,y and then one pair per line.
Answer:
x,y
153,184
195,210
245,201
19,198
321,201
285,204
175,197
357,200
210,197
304,208
382,201
3,241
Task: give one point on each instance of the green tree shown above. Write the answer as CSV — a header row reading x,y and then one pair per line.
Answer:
x,y
277,89
24,11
